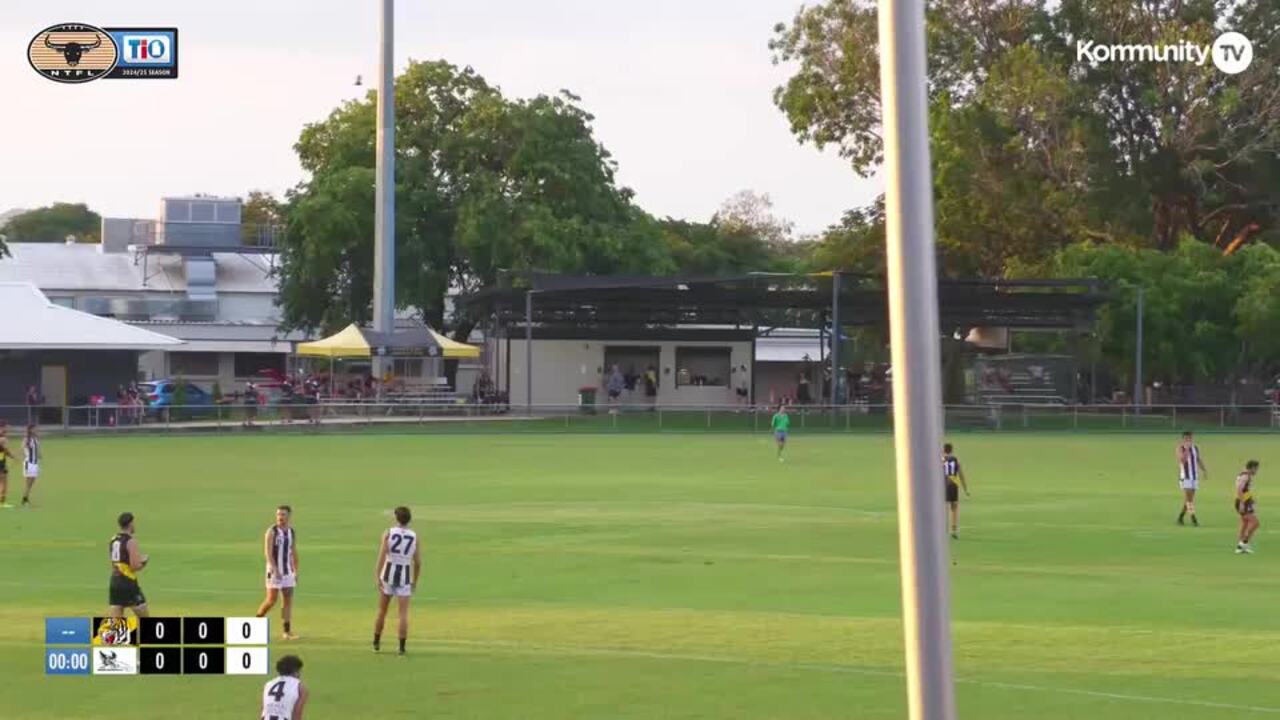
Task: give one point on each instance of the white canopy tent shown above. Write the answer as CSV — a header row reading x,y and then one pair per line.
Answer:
x,y
31,322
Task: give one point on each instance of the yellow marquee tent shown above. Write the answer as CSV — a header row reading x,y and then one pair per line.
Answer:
x,y
354,341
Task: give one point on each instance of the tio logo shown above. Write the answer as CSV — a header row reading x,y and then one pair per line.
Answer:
x,y
145,50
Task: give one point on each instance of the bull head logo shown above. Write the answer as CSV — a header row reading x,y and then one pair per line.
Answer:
x,y
72,51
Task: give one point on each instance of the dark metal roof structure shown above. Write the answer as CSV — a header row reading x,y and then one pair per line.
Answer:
x,y
575,304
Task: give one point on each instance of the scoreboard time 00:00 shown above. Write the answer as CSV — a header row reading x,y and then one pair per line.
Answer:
x,y
156,646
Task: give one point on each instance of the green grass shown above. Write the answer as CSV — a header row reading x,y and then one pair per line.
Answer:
x,y
650,576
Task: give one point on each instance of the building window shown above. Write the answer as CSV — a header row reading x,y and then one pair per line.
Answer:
x,y
703,366
188,364
66,302
407,367
255,364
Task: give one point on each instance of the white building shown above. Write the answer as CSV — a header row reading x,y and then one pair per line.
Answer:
x,y
187,275
696,366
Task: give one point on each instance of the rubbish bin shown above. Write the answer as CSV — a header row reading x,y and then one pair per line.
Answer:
x,y
587,400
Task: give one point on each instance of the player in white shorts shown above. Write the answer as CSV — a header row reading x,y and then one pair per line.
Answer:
x,y
1190,468
280,545
284,697
396,574
30,462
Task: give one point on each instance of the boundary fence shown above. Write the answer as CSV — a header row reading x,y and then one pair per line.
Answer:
x,y
467,417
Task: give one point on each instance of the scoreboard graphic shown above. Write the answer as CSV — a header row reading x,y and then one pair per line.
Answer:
x,y
156,646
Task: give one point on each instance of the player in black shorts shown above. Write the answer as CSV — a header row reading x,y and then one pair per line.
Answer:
x,y
1244,506
126,562
5,455
953,478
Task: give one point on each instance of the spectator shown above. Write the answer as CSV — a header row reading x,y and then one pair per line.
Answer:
x,y
135,403
802,390
615,385
311,391
629,381
651,385
34,401
250,404
122,404
287,398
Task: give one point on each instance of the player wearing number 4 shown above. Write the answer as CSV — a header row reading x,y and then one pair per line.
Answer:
x,y
280,545
396,574
284,697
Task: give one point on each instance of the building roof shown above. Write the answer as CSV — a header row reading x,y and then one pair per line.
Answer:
x,y
55,267
629,304
789,345
216,336
34,323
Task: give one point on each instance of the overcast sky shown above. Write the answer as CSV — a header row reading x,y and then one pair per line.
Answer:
x,y
681,91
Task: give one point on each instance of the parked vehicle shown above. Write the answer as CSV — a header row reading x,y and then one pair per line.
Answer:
x,y
162,394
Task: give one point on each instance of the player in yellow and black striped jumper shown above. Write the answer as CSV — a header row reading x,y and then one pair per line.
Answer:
x,y
954,481
1244,506
5,455
126,562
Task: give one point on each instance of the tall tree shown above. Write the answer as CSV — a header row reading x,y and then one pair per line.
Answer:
x,y
1206,318
855,244
262,217
1035,147
55,223
708,248
483,183
744,235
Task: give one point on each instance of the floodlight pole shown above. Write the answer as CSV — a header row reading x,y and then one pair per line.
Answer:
x,y
1137,361
384,222
917,385
528,352
835,337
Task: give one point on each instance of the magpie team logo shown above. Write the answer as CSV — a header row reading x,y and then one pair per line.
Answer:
x,y
115,661
79,53
72,53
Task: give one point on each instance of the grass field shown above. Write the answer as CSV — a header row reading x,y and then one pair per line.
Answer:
x,y
651,576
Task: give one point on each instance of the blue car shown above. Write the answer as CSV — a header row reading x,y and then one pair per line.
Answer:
x,y
160,394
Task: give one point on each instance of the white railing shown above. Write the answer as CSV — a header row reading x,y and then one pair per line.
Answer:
x,y
466,416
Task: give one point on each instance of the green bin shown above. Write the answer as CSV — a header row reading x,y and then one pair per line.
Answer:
x,y
587,400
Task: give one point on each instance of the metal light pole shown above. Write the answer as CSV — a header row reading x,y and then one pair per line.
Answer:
x,y
1137,361
384,221
835,337
528,352
917,385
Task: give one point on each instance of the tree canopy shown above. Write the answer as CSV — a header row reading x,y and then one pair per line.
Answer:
x,y
1034,149
486,183
1145,174
483,183
55,223
1206,317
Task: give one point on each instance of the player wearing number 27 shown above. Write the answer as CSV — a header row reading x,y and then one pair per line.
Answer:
x,y
280,545
396,574
284,697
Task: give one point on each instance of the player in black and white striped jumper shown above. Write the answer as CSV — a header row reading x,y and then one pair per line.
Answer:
x,y
30,462
280,545
1190,468
284,697
396,574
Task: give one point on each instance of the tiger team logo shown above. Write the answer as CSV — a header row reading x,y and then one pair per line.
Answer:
x,y
115,631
